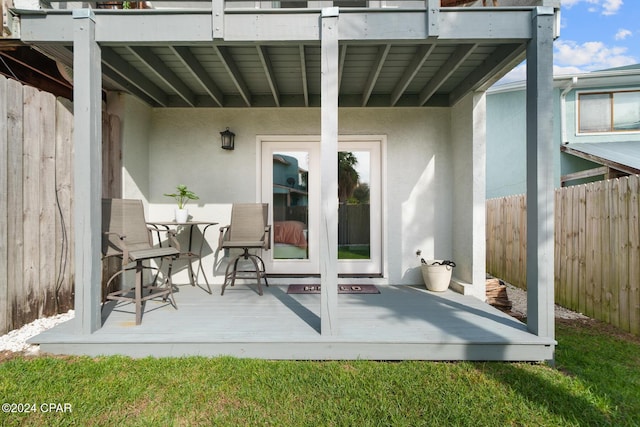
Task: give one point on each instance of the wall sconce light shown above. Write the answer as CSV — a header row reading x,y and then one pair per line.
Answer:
x,y
228,139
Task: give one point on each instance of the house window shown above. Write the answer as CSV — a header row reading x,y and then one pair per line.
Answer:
x,y
287,4
609,112
350,3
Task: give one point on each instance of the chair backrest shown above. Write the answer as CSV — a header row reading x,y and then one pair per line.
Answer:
x,y
125,217
248,221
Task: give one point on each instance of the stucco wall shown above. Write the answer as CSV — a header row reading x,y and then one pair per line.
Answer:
x,y
468,123
183,147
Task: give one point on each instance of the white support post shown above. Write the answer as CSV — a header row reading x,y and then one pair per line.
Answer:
x,y
217,15
540,186
87,171
329,174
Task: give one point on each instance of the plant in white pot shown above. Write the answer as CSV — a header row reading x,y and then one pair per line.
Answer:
x,y
182,196
436,273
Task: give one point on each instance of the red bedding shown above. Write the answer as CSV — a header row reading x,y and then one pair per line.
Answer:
x,y
290,232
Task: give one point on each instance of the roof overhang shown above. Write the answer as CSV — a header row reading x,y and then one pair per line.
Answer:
x,y
621,156
271,57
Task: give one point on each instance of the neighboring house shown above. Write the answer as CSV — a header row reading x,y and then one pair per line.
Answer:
x,y
596,130
403,82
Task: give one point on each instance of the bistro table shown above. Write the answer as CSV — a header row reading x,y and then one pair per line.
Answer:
x,y
190,254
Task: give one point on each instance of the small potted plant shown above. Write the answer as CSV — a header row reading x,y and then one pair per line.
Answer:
x,y
182,196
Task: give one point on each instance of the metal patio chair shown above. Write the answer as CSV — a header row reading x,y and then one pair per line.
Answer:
x,y
248,230
125,235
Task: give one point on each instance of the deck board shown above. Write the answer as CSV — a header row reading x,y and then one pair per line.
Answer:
x,y
402,322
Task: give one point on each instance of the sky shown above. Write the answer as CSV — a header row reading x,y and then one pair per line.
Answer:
x,y
594,35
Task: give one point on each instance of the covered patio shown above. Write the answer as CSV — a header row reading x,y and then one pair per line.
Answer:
x,y
401,323
407,76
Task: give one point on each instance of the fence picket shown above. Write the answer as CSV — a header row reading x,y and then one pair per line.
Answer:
x,y
634,256
623,254
596,243
36,203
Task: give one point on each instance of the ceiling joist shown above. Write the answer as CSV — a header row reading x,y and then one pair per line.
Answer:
x,y
199,73
155,64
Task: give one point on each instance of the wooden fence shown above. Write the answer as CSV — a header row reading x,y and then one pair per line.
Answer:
x,y
597,248
36,201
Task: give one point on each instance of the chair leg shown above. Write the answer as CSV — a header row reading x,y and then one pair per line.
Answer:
x,y
257,270
138,292
231,273
169,283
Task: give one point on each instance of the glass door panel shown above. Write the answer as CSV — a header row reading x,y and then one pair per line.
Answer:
x,y
291,187
359,207
354,223
290,205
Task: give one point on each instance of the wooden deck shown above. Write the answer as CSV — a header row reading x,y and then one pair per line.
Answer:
x,y
402,322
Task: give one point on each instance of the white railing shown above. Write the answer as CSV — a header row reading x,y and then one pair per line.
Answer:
x,y
279,4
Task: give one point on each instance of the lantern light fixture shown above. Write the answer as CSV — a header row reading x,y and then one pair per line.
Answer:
x,y
228,139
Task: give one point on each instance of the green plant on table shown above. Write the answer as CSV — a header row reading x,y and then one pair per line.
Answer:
x,y
182,195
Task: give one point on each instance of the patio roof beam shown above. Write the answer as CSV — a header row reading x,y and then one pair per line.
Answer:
x,y
199,73
486,74
155,64
116,78
383,51
265,59
421,55
281,25
303,73
234,72
341,59
447,69
135,78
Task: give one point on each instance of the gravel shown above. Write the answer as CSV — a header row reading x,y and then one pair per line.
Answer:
x,y
518,298
16,340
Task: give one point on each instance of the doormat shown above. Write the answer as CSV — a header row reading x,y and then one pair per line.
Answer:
x,y
342,289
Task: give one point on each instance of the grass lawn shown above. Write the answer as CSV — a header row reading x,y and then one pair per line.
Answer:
x,y
596,383
354,252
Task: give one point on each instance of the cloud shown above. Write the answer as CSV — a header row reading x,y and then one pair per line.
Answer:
x,y
611,7
623,34
606,7
590,56
571,57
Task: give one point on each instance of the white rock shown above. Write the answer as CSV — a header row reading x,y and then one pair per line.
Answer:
x,y
16,340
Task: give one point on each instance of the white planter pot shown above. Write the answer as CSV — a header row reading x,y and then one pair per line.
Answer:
x,y
182,215
436,277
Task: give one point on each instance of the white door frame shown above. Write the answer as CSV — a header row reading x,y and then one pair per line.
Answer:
x,y
375,144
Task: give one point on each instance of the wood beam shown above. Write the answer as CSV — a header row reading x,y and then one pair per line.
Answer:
x,y
342,57
503,58
421,55
199,73
584,174
383,51
265,59
112,60
234,72
303,72
448,68
116,78
159,68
